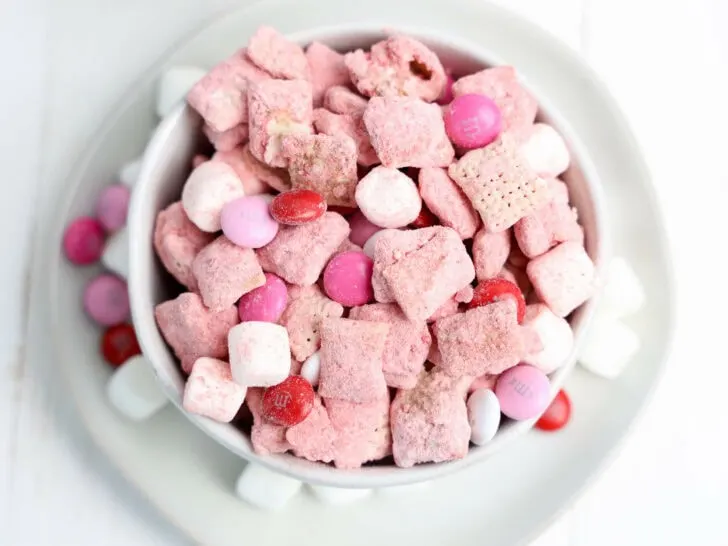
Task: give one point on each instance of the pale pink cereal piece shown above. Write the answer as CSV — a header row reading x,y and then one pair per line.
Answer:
x,y
516,258
563,278
266,437
434,355
221,96
559,190
227,140
351,359
177,241
397,66
499,184
518,107
490,252
224,272
548,226
314,438
430,422
348,246
407,343
485,339
465,294
362,431
342,100
236,159
450,307
447,201
307,307
277,55
277,108
485,381
517,276
408,132
327,70
351,125
323,163
423,280
198,160
278,179
210,390
295,366
298,254
193,330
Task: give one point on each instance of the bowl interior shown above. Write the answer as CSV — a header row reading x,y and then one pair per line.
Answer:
x,y
166,165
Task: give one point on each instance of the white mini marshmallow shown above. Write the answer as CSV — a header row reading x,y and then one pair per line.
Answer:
x,y
546,151
133,390
210,390
404,490
484,416
259,353
207,190
129,172
265,488
338,495
555,334
369,245
116,253
388,198
623,293
608,347
311,368
174,85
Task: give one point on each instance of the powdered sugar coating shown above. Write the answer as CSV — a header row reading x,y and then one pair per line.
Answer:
x,y
266,437
208,188
314,438
448,202
342,100
490,252
227,140
236,158
278,56
351,125
548,226
210,391
327,70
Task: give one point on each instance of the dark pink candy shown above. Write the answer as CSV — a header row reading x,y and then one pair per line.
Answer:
x,y
348,278
265,303
472,121
83,241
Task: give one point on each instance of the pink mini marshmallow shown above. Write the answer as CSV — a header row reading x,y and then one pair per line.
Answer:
x,y
210,391
550,225
448,202
388,198
207,190
266,437
227,140
327,70
278,179
408,132
490,252
351,125
556,338
545,151
252,184
278,56
342,100
314,438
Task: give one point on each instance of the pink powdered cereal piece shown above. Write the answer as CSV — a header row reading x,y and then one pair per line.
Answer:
x,y
177,241
397,66
193,330
430,422
485,381
342,100
278,179
211,391
517,106
327,70
351,125
448,202
224,272
323,163
499,184
548,226
236,159
278,56
447,309
486,339
465,294
314,438
198,160
298,254
490,252
347,246
266,437
362,431
277,108
518,276
563,278
351,359
307,307
225,141
408,132
221,96
406,347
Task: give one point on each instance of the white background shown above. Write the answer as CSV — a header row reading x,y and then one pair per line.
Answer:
x,y
667,66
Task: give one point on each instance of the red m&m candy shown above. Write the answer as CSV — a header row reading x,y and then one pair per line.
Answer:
x,y
119,344
497,289
557,414
289,402
297,207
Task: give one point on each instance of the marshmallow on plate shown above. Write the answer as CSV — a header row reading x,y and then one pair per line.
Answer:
x,y
129,172
608,347
265,489
133,390
623,293
259,354
388,198
338,495
116,253
210,390
174,85
556,335
206,191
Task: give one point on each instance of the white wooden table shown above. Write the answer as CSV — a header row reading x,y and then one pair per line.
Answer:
x,y
670,484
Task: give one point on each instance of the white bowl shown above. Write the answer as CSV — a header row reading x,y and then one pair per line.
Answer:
x,y
166,165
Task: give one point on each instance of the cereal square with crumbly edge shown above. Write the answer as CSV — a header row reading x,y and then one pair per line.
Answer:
x,y
342,100
210,390
548,226
447,201
327,70
351,359
315,437
267,438
276,178
351,125
277,55
252,184
225,141
490,252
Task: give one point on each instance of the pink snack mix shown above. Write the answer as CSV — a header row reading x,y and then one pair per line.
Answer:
x,y
278,56
448,202
350,125
315,438
225,141
266,437
276,178
210,390
548,226
236,159
342,100
490,252
327,70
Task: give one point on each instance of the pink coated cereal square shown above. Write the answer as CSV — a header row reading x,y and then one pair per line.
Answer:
x,y
221,96
563,277
490,252
314,438
225,141
323,163
224,272
276,178
546,227
450,307
192,330
352,126
342,100
408,132
485,381
465,294
210,390
447,201
237,160
351,359
499,184
277,108
327,70
407,343
307,307
266,437
348,246
177,241
397,66
430,422
362,431
277,55
485,339
298,254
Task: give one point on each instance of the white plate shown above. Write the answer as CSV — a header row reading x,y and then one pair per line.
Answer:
x,y
507,500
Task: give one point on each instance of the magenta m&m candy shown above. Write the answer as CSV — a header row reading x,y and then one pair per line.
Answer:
x,y
112,206
106,300
472,121
83,241
348,278
265,303
247,222
523,392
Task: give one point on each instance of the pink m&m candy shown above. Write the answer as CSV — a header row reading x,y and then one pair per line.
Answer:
x,y
265,303
361,228
472,121
83,241
112,206
106,300
523,392
247,222
446,96
348,278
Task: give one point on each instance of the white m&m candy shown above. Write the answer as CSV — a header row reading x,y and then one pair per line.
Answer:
x,y
207,190
311,368
484,416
